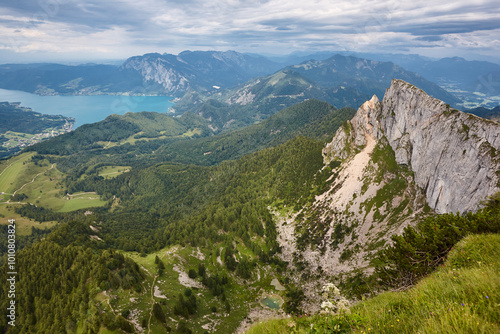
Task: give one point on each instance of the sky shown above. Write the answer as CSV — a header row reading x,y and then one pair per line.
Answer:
x,y
100,30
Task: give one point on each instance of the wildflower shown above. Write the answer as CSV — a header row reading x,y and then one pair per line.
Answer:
x,y
462,304
327,305
487,297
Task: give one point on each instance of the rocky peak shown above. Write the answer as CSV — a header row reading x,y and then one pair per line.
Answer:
x,y
395,159
454,156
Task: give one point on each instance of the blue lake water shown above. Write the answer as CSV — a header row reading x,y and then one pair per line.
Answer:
x,y
87,109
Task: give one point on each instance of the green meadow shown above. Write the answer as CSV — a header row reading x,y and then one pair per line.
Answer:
x,y
109,172
40,184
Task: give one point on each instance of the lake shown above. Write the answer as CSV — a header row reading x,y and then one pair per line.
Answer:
x,y
87,109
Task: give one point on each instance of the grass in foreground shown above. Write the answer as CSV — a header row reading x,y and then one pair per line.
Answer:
x,y
463,296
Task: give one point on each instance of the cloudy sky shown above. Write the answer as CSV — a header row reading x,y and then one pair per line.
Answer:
x,y
41,30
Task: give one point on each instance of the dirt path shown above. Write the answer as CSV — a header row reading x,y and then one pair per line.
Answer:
x,y
6,168
33,180
109,304
153,302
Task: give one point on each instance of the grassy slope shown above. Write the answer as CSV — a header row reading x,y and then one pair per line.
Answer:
x,y
40,183
460,297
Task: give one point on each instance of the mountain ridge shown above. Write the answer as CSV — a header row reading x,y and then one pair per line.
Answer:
x,y
398,160
366,75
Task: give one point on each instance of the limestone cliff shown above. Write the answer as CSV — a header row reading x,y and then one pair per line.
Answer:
x,y
454,156
396,161
197,70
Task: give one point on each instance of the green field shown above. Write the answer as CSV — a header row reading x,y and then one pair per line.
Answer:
x,y
192,132
42,185
109,172
15,172
81,201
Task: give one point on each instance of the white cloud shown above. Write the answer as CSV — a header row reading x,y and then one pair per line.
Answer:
x,y
135,27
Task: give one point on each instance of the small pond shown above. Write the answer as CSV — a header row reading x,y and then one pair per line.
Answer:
x,y
273,302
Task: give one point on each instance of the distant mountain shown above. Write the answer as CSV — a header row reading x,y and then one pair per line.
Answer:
x,y
466,78
153,73
55,79
409,62
463,78
343,81
198,70
262,97
470,75
367,76
493,114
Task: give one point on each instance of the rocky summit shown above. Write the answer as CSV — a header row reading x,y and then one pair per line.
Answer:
x,y
396,161
453,155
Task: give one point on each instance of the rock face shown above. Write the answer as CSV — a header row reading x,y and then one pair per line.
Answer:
x,y
167,72
395,162
455,156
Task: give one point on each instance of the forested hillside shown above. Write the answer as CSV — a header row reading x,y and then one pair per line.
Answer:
x,y
210,194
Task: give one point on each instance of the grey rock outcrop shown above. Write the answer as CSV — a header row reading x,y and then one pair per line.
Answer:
x,y
455,156
166,72
394,159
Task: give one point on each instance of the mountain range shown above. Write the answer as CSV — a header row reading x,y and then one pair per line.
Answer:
x,y
339,80
154,73
467,83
